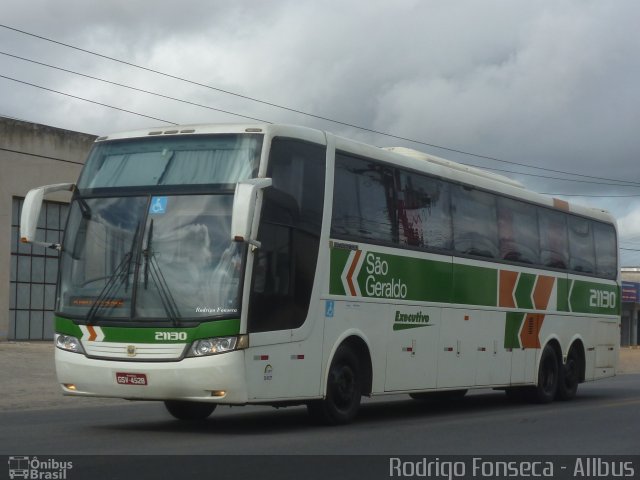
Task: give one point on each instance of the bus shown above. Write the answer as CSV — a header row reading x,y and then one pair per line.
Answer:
x,y
279,265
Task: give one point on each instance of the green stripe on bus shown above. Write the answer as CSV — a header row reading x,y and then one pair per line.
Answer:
x,y
216,328
596,298
339,257
563,295
67,327
524,290
475,285
512,329
387,276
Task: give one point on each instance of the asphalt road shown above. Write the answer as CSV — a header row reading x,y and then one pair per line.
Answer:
x,y
603,419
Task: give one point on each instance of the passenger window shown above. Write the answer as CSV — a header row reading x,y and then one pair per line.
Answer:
x,y
606,255
364,200
424,212
475,226
518,228
554,244
581,248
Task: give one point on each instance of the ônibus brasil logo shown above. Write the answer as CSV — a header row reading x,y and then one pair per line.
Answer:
x,y
377,282
38,469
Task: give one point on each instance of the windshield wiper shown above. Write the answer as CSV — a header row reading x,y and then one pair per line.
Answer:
x,y
85,210
110,289
152,267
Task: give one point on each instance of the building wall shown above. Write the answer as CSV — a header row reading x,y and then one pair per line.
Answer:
x,y
31,155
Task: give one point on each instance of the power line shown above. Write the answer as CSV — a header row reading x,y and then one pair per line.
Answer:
x,y
86,100
130,87
20,152
157,94
173,123
294,110
204,106
258,119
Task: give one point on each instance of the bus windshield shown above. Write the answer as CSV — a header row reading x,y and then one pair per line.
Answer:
x,y
172,160
142,244
151,258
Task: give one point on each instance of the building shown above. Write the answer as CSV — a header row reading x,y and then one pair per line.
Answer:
x,y
629,332
33,155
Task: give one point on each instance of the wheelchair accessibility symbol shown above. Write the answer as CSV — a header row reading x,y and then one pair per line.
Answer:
x,y
158,205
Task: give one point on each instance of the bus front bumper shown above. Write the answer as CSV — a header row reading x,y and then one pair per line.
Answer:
x,y
215,378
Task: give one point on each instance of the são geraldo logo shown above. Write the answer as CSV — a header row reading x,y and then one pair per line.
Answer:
x,y
38,469
378,282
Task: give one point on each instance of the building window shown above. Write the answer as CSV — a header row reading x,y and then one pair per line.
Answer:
x,y
34,272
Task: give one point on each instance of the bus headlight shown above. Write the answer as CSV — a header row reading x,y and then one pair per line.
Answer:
x,y
213,346
69,343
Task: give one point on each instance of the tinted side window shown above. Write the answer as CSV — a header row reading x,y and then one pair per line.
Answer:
x,y
475,226
605,242
284,266
581,248
554,244
297,169
518,227
424,212
364,200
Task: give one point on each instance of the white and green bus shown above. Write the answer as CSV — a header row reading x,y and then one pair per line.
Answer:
x,y
280,265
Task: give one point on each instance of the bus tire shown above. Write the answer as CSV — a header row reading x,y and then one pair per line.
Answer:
x,y
548,376
189,410
569,376
344,390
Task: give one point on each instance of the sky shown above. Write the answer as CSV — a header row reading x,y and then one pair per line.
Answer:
x,y
546,92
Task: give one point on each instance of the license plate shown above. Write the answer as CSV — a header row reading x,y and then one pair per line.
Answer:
x,y
124,378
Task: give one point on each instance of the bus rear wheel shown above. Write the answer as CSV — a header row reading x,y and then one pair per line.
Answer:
x,y
548,377
344,390
189,410
569,376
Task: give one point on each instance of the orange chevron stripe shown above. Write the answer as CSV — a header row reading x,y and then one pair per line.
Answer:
x,y
352,268
530,333
508,281
92,333
542,292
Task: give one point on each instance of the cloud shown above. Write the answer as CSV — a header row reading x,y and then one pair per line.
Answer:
x,y
546,83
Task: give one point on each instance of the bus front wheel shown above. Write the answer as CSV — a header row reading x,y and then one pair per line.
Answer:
x,y
189,410
344,390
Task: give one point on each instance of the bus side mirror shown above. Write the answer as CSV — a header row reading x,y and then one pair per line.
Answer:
x,y
31,212
244,204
